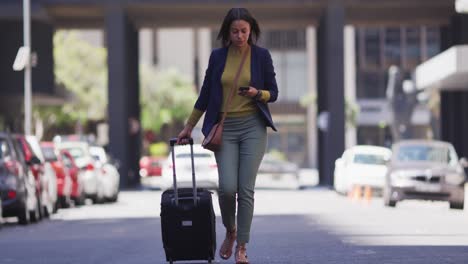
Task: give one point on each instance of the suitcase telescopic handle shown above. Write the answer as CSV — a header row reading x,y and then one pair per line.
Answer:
x,y
173,142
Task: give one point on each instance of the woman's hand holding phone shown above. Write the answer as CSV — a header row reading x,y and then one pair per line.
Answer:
x,y
247,91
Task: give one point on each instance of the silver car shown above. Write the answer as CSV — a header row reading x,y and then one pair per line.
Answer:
x,y
206,169
427,170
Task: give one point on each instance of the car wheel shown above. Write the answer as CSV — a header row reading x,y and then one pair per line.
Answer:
x,y
36,214
23,214
82,199
390,203
457,205
45,212
114,198
55,207
387,198
64,202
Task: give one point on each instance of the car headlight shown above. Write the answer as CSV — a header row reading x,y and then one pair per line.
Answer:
x,y
454,178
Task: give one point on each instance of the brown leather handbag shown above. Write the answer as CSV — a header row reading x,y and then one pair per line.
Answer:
x,y
213,140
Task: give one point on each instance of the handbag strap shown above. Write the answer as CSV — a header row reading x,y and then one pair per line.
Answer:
x,y
233,90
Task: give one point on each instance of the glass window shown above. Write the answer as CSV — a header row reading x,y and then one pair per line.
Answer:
x,y
76,152
279,65
372,47
413,47
195,155
66,161
274,141
392,47
49,154
293,39
296,142
373,135
371,84
432,41
291,74
296,75
4,149
424,153
369,159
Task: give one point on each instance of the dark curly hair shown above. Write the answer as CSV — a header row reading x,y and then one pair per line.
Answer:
x,y
238,14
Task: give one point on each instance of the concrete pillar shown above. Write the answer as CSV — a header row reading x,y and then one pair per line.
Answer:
x,y
123,95
204,51
454,104
311,49
331,89
350,80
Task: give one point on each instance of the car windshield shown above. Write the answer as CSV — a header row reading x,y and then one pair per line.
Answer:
x,y
424,153
49,153
76,152
369,159
195,155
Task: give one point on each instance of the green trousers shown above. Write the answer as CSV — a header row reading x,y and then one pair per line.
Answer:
x,y
243,146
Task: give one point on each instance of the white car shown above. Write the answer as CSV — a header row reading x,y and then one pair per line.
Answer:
x,y
206,169
90,171
109,179
275,172
361,166
48,180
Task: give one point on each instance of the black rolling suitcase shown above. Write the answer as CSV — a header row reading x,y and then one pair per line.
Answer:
x,y
187,220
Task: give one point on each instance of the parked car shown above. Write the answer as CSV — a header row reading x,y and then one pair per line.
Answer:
x,y
424,169
87,164
49,179
64,181
206,170
77,192
151,171
275,172
36,167
109,177
361,166
17,183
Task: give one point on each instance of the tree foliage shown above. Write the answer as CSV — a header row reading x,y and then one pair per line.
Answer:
x,y
166,97
81,68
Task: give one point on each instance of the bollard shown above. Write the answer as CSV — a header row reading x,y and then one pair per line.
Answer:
x,y
356,192
367,193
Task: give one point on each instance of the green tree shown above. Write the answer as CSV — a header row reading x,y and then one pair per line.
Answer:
x,y
81,68
166,97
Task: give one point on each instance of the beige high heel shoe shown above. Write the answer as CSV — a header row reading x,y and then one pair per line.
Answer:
x,y
225,252
241,254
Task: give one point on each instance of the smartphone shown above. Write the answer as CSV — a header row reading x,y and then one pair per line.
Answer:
x,y
244,88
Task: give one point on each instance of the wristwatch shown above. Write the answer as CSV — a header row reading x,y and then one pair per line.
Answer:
x,y
258,96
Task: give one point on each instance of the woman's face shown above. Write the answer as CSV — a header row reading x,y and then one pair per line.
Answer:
x,y
239,33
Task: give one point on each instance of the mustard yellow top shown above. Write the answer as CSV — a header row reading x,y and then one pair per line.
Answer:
x,y
240,105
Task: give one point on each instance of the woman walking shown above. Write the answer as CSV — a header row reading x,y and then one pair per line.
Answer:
x,y
247,68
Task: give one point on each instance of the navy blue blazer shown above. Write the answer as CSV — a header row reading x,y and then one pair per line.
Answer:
x,y
211,94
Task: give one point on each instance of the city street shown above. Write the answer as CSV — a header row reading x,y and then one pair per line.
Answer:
x,y
315,225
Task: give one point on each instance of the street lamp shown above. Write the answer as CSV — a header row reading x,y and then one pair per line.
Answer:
x,y
27,69
23,62
461,6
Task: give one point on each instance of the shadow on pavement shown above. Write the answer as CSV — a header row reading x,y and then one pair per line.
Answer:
x,y
275,239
